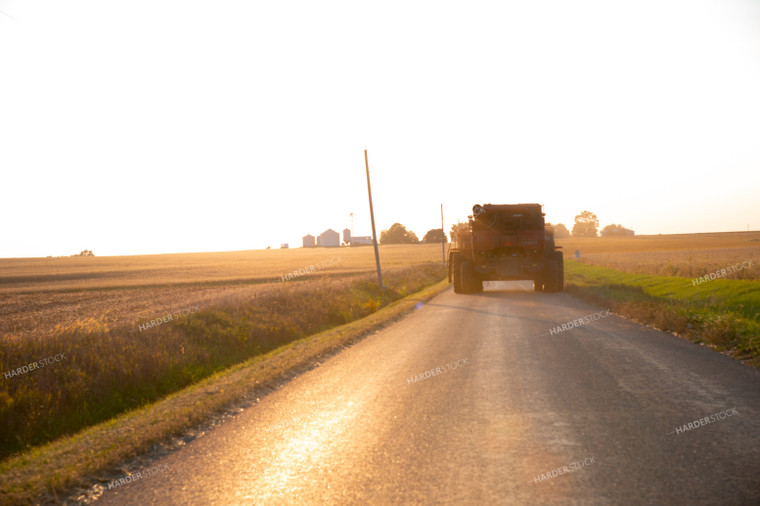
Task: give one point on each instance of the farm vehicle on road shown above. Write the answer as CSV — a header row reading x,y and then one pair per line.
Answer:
x,y
505,242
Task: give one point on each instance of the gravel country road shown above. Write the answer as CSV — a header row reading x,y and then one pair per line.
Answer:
x,y
520,403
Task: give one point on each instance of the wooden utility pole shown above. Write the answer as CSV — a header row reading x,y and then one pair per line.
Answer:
x,y
443,239
372,217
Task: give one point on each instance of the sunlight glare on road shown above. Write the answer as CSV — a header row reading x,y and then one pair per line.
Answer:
x,y
300,448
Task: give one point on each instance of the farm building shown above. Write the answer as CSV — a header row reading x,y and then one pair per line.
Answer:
x,y
328,238
309,241
355,240
361,239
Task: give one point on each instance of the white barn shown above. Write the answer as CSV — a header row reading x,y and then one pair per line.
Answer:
x,y
329,238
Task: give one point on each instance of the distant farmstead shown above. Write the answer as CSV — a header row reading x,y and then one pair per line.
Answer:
x,y
329,239
356,239
309,241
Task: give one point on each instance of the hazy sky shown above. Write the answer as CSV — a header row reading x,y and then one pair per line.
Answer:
x,y
131,127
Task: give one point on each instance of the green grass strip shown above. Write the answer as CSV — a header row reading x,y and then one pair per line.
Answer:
x,y
723,313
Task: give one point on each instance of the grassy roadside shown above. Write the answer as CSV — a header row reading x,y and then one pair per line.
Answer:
x,y
44,472
723,313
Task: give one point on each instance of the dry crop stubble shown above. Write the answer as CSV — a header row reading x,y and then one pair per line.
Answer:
x,y
692,242
114,365
110,370
34,300
26,315
18,275
685,255
683,263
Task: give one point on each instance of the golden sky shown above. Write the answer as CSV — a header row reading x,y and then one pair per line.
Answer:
x,y
165,126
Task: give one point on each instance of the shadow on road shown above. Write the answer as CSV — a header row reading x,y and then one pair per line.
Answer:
x,y
513,295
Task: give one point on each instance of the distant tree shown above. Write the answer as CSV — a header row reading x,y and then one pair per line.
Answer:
x,y
434,235
561,230
398,234
586,225
86,253
616,231
456,228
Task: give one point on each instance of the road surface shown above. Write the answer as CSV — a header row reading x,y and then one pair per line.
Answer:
x,y
486,399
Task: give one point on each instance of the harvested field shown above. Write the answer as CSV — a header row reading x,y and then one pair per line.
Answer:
x,y
111,365
45,295
683,263
686,255
19,275
660,242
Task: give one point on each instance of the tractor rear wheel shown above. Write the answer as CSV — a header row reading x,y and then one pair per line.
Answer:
x,y
561,275
469,281
456,270
551,276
